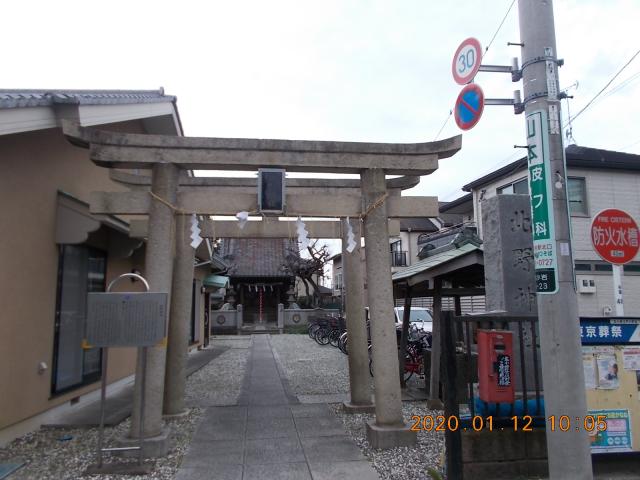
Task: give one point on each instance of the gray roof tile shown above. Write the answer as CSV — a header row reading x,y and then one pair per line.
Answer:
x,y
256,257
46,98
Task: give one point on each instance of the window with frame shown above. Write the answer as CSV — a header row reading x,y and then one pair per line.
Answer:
x,y
577,191
81,270
520,187
338,285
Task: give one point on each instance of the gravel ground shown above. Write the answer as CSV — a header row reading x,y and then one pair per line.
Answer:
x,y
55,454
219,383
311,368
402,463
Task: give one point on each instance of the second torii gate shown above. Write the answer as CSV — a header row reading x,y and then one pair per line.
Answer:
x,y
165,155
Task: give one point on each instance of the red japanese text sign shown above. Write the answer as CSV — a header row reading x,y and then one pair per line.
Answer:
x,y
614,235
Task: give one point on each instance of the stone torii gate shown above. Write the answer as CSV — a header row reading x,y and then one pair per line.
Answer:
x,y
165,155
174,388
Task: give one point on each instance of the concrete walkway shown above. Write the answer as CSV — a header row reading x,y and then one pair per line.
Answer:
x,y
269,435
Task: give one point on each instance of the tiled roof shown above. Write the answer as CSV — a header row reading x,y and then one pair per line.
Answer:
x,y
447,206
417,225
46,98
577,157
434,261
256,257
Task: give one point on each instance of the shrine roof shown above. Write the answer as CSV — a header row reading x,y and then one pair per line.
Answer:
x,y
256,257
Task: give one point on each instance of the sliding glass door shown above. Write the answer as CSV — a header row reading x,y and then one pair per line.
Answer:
x,y
81,270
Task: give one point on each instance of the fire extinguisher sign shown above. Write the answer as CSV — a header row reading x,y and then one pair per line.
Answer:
x,y
539,162
504,370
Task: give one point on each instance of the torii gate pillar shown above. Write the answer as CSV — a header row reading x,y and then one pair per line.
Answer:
x,y
353,278
388,429
159,273
179,327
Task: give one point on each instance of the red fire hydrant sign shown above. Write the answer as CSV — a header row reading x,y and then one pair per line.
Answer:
x,y
614,235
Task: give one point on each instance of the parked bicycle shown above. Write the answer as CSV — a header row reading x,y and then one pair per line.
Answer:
x,y
417,343
327,330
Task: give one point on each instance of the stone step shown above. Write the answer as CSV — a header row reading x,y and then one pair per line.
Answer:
x,y
258,331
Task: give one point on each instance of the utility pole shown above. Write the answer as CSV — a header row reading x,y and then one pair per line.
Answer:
x,y
563,377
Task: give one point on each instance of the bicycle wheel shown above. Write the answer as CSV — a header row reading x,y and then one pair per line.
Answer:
x,y
334,337
410,365
342,343
312,329
322,336
409,360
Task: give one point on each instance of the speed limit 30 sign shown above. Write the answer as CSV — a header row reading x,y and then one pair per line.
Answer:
x,y
466,61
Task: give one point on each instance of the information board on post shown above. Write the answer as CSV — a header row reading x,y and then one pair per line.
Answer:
x,y
542,221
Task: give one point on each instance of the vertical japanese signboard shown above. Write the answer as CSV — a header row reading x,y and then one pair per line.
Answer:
x,y
539,163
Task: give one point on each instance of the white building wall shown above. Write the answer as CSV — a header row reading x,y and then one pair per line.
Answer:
x,y
491,190
605,189
594,304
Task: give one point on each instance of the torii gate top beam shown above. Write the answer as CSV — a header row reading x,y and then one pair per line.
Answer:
x,y
125,150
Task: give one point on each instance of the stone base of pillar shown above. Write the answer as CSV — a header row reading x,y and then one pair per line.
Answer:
x,y
348,407
390,436
152,447
435,404
181,414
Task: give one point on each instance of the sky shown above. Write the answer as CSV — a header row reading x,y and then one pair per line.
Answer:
x,y
332,70
369,70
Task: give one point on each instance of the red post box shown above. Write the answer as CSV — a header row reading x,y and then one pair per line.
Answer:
x,y
495,366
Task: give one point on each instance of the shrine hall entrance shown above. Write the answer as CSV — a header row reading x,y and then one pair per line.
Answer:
x,y
260,301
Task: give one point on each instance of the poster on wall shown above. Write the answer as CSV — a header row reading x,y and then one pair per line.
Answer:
x,y
617,436
631,358
588,364
607,371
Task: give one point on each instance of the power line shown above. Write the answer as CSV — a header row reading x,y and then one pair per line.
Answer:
x,y
499,27
622,85
443,125
629,146
485,52
605,87
496,165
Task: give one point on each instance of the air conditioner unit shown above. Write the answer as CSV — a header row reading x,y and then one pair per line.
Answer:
x,y
586,284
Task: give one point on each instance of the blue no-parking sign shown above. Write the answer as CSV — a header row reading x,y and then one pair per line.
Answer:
x,y
469,106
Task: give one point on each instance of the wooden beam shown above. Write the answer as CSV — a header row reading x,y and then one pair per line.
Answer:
x,y
211,202
260,229
436,339
126,150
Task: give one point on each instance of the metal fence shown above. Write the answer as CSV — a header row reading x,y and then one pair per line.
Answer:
x,y
459,338
398,258
468,305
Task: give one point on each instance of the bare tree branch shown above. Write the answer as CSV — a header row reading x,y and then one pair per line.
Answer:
x,y
307,268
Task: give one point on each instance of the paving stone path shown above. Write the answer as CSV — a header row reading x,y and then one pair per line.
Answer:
x,y
270,435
